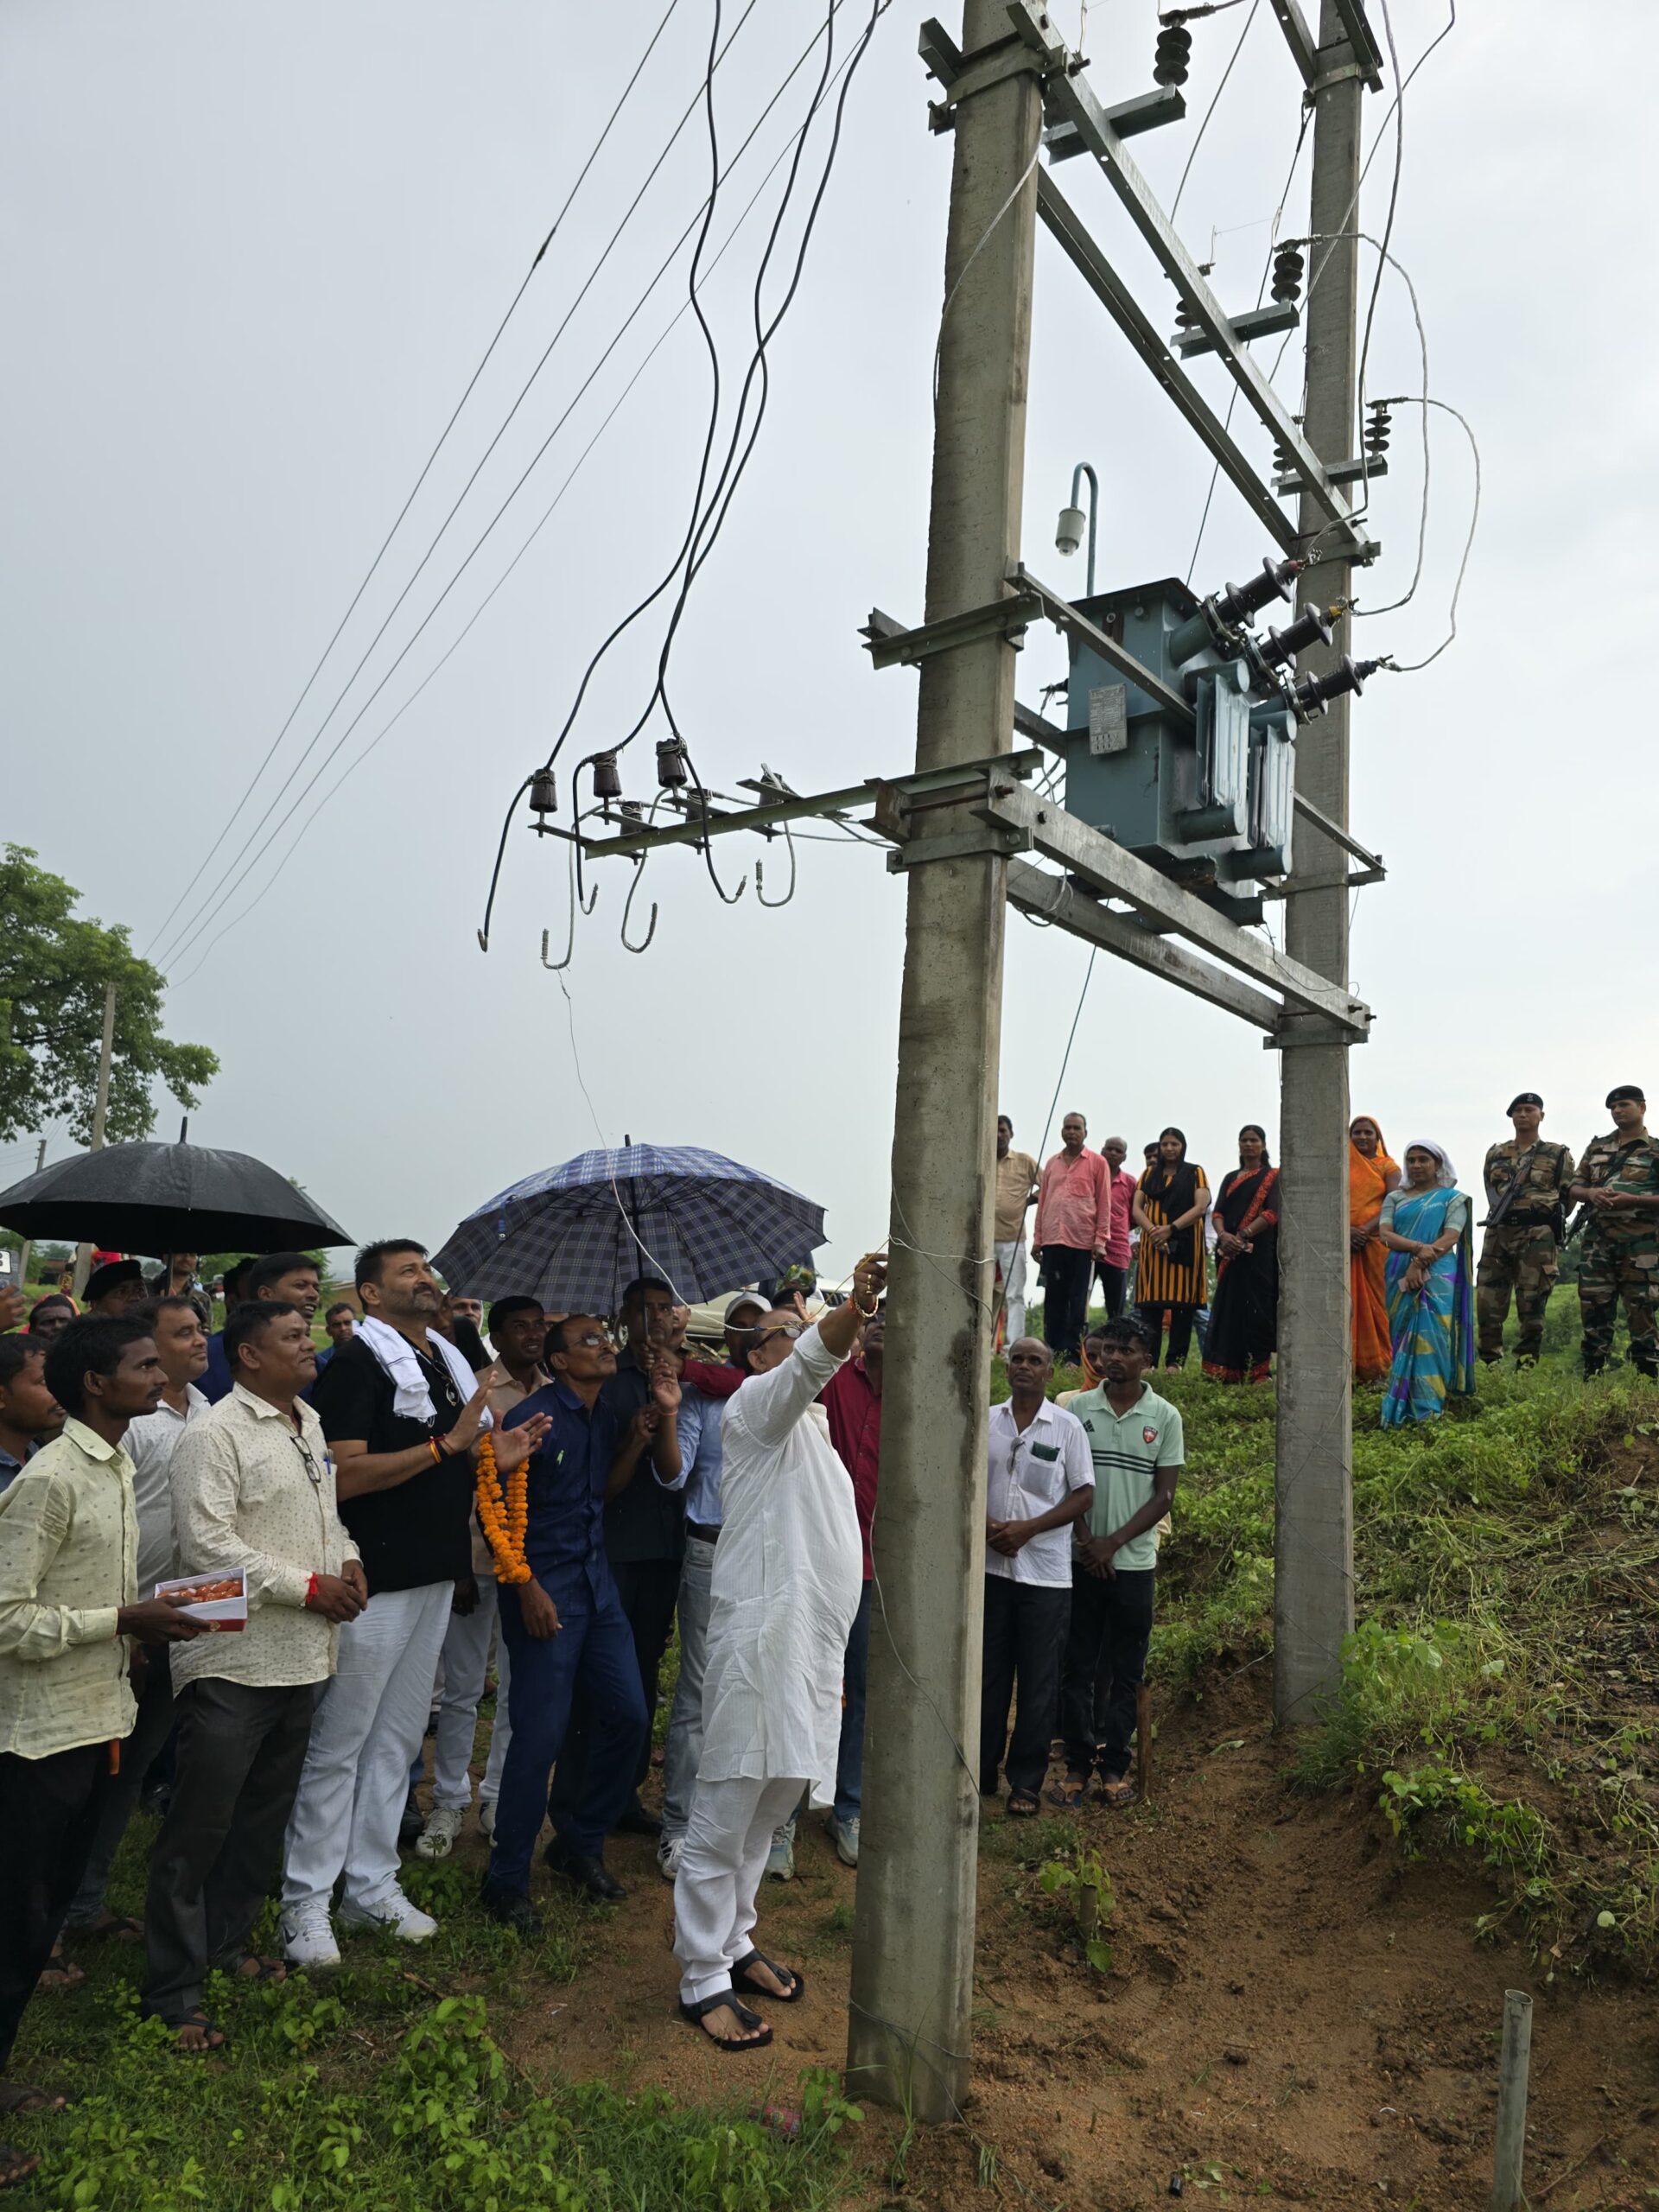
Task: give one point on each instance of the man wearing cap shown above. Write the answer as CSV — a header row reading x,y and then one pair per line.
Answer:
x,y
1618,1186
115,1290
1527,1182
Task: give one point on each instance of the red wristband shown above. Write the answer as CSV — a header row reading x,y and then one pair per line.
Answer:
x,y
310,1589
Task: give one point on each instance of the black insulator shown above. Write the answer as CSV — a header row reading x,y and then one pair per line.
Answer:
x,y
630,810
1239,601
544,793
1281,460
1287,266
1346,675
1311,627
671,764
1379,429
1175,51
608,776
1186,321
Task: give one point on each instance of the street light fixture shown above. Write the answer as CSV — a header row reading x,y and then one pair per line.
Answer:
x,y
1069,531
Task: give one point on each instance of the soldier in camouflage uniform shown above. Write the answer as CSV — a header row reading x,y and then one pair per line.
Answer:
x,y
1527,1183
1618,1187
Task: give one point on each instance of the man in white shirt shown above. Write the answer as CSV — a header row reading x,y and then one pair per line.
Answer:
x,y
182,1346
788,1576
1041,1483
253,1488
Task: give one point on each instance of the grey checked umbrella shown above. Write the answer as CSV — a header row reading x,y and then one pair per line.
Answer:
x,y
576,1235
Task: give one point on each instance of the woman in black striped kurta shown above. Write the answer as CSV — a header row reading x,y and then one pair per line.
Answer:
x,y
1171,1200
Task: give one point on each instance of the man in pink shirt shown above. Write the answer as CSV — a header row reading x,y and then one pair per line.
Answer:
x,y
1074,1215
1112,1253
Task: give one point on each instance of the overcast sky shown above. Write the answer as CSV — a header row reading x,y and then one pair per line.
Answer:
x,y
251,255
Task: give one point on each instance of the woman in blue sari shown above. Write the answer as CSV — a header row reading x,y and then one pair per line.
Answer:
x,y
1425,1225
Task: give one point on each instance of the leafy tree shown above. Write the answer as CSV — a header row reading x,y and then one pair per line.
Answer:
x,y
54,966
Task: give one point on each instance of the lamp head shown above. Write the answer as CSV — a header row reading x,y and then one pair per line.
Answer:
x,y
1069,530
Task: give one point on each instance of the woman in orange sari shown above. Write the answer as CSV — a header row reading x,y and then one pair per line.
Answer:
x,y
1371,1175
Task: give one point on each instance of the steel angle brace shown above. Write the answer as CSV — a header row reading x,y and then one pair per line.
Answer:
x,y
891,645
1060,612
1075,99
1087,257
1032,49
1106,867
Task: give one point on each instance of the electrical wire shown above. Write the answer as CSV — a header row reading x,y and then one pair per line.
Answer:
x,y
173,950
1065,1062
1197,136
547,514
984,240
426,469
1408,399
1388,222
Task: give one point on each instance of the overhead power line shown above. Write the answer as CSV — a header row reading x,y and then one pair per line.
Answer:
x,y
426,469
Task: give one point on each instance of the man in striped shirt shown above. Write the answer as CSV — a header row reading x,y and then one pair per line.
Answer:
x,y
1137,1447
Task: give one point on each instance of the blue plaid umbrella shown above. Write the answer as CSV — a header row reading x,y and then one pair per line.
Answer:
x,y
573,1235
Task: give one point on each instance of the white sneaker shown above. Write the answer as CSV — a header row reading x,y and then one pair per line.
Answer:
x,y
844,1835
780,1859
307,1938
670,1852
487,1818
437,1838
407,1922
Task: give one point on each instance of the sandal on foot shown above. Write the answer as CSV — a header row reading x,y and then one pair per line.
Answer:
x,y
213,2039
1114,1795
59,1972
744,1980
121,1925
1071,1795
15,2165
250,1968
1023,1805
695,2014
23,2096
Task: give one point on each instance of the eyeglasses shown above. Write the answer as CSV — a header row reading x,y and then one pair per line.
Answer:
x,y
790,1328
594,1344
311,1467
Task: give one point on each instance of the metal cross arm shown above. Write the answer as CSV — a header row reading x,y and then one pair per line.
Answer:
x,y
963,779
1060,612
890,646
1087,853
1074,99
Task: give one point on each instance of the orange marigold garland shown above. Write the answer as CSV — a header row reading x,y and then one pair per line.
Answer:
x,y
504,1520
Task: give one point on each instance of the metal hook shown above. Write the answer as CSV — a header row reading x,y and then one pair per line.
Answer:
x,y
760,876
627,908
587,908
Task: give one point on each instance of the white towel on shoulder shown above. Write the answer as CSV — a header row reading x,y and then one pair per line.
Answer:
x,y
413,1401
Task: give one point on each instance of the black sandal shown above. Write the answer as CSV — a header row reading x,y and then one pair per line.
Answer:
x,y
251,1968
23,2096
1023,1805
213,2039
743,1980
694,2014
15,2165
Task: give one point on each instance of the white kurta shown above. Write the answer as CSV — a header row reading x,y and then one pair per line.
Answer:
x,y
789,1572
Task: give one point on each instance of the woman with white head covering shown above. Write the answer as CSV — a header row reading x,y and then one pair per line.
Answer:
x,y
1424,1226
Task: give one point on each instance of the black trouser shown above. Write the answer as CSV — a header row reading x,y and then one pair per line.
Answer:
x,y
1113,1285
139,1754
1025,1635
220,1849
1105,1664
649,1589
49,1811
1180,1330
1068,1275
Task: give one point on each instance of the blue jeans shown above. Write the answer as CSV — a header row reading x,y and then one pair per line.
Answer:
x,y
849,1761
594,1649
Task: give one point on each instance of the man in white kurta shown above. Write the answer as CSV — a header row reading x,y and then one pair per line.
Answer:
x,y
788,1574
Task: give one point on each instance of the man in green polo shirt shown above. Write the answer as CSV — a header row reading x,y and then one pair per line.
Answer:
x,y
1134,1437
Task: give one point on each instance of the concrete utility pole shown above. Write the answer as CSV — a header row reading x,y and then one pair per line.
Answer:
x,y
1313,1550
913,1940
100,1114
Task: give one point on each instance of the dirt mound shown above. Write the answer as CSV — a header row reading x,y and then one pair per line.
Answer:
x,y
1293,2014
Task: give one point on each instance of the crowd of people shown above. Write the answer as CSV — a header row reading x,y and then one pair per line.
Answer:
x,y
1192,1262
246,1565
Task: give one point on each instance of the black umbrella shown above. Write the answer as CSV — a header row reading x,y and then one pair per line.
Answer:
x,y
168,1198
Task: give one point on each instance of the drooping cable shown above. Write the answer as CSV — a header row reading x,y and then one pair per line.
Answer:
x,y
387,727
426,469
1214,99
1408,399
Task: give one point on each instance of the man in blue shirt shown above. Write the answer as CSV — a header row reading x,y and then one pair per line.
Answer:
x,y
29,1411
215,1381
565,1626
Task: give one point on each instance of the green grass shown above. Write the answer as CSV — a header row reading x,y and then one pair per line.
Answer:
x,y
383,2087
1500,1698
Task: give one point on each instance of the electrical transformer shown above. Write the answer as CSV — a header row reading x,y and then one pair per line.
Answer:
x,y
1208,801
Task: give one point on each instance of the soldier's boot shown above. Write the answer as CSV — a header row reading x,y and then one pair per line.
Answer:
x,y
1525,1359
1594,1364
1644,1358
